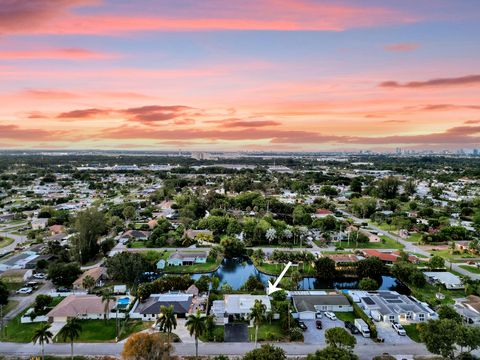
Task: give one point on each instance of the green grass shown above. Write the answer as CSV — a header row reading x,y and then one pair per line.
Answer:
x,y
472,269
101,331
427,294
267,331
447,255
415,237
5,241
18,332
346,316
386,244
276,269
217,334
412,332
209,266
12,304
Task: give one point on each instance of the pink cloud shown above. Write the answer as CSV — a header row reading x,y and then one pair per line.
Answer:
x,y
402,47
46,17
14,132
54,54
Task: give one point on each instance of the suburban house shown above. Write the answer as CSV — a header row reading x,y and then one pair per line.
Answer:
x,y
183,258
135,234
80,306
322,213
388,257
150,308
98,274
389,306
236,306
447,279
56,229
39,223
310,304
192,234
343,259
469,309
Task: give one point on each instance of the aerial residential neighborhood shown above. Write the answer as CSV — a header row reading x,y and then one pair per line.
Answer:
x,y
239,180
365,254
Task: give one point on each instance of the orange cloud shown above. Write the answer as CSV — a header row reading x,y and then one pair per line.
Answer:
x,y
14,132
444,82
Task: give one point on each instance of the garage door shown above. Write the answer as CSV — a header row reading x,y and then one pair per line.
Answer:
x,y
307,316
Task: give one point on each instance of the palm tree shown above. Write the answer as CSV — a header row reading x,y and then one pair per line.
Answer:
x,y
257,314
43,336
71,331
271,234
167,320
88,283
196,324
107,296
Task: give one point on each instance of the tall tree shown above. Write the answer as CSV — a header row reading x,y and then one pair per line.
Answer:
x,y
70,331
43,336
88,283
257,314
90,224
167,320
325,268
144,346
107,296
196,325
266,352
339,337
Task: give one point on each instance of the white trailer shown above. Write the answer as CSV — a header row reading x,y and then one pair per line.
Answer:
x,y
362,327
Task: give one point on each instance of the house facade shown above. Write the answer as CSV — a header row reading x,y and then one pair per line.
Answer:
x,y
389,306
310,304
183,258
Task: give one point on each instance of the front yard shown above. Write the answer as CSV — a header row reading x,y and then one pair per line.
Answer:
x,y
472,269
386,243
268,332
104,331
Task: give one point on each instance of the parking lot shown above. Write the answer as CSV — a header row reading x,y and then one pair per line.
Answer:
x,y
315,336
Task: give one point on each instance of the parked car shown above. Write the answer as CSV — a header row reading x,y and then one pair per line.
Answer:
x,y
318,324
40,276
63,289
24,290
350,326
302,325
399,329
330,315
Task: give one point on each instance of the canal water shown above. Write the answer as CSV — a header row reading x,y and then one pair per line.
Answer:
x,y
236,272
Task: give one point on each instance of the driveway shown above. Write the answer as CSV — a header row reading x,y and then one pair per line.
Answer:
x,y
183,332
386,331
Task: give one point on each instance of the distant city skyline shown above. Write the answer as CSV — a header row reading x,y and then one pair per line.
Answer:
x,y
267,75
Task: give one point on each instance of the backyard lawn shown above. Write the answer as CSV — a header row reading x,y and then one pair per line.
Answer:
x,y
415,237
209,266
276,268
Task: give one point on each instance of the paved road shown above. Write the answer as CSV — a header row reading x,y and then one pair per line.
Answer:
x,y
17,239
366,350
412,247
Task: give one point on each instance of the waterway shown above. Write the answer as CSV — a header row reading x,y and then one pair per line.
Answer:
x,y
235,272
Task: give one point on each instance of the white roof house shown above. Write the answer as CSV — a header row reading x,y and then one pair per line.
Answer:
x,y
243,303
449,280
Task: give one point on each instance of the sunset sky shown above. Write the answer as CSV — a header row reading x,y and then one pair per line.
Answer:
x,y
293,75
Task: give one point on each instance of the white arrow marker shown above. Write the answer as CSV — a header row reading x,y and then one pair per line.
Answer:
x,y
273,288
